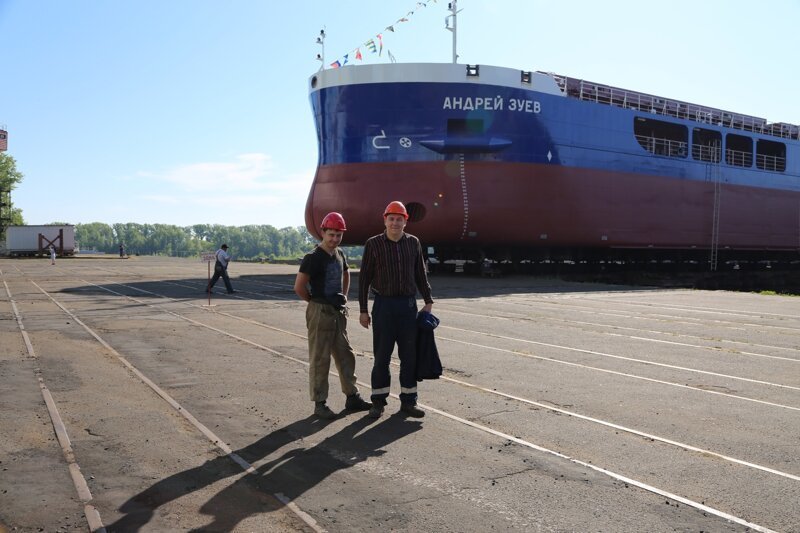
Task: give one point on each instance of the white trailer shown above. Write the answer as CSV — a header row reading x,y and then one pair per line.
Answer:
x,y
35,240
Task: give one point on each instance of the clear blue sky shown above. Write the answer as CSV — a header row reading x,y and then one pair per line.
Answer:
x,y
196,111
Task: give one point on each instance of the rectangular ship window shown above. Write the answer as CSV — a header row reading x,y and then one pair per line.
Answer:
x,y
706,145
660,137
770,155
738,150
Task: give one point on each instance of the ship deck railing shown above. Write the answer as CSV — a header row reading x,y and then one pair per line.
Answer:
x,y
711,154
738,158
661,146
606,94
771,162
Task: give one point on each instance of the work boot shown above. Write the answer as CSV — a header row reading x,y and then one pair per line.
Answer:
x,y
323,411
410,409
356,403
376,410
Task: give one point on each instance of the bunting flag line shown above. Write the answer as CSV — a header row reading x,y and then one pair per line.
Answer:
x,y
378,48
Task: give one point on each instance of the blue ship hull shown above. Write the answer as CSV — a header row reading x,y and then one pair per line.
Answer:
x,y
500,160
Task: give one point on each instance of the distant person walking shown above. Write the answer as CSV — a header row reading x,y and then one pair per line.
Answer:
x,y
52,250
221,269
323,281
122,250
393,270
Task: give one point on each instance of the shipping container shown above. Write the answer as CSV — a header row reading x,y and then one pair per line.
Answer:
x,y
33,240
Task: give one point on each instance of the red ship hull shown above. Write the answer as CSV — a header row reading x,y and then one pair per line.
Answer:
x,y
479,204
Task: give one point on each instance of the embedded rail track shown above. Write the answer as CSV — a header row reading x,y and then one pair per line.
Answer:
x,y
573,405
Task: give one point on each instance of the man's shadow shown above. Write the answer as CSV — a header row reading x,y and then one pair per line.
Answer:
x,y
291,474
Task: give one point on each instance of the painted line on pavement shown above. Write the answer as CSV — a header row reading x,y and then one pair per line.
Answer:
x,y
218,442
614,475
78,481
612,356
505,395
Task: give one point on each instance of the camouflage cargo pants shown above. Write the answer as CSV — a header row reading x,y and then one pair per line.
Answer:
x,y
327,336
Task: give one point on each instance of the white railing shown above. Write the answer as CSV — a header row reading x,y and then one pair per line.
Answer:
x,y
738,158
770,162
711,154
659,146
605,94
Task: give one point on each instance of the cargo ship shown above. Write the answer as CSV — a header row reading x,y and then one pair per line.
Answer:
x,y
515,165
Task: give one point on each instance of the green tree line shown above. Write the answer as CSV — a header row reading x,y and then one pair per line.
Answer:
x,y
245,242
10,177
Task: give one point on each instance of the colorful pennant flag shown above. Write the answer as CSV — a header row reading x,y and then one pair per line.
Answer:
x,y
378,48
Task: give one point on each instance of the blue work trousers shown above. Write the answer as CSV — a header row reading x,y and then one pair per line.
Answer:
x,y
394,321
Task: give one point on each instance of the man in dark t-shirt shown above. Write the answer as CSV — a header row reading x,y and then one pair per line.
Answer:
x,y
323,281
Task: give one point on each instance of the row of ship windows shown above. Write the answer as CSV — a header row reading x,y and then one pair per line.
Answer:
x,y
672,140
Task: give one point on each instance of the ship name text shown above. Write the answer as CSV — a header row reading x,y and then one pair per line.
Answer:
x,y
498,103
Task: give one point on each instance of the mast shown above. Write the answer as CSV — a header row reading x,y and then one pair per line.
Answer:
x,y
454,16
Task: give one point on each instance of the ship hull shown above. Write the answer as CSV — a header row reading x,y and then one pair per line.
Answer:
x,y
492,204
550,174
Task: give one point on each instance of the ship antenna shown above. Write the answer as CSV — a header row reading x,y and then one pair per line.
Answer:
x,y
321,42
454,16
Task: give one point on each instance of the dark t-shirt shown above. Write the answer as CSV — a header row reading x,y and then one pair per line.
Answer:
x,y
325,272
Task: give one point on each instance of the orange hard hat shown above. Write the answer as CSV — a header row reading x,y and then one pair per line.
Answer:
x,y
333,221
396,208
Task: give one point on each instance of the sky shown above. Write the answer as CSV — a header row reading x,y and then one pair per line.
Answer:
x,y
196,111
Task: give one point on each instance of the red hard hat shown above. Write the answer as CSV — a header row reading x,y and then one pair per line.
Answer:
x,y
396,208
333,221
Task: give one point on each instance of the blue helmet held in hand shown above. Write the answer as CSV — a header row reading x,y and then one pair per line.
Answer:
x,y
427,320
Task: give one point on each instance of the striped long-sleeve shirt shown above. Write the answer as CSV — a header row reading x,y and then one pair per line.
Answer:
x,y
392,269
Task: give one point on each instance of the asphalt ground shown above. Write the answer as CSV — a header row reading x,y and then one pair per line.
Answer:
x,y
130,404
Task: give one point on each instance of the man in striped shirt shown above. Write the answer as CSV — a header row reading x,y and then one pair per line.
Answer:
x,y
393,270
